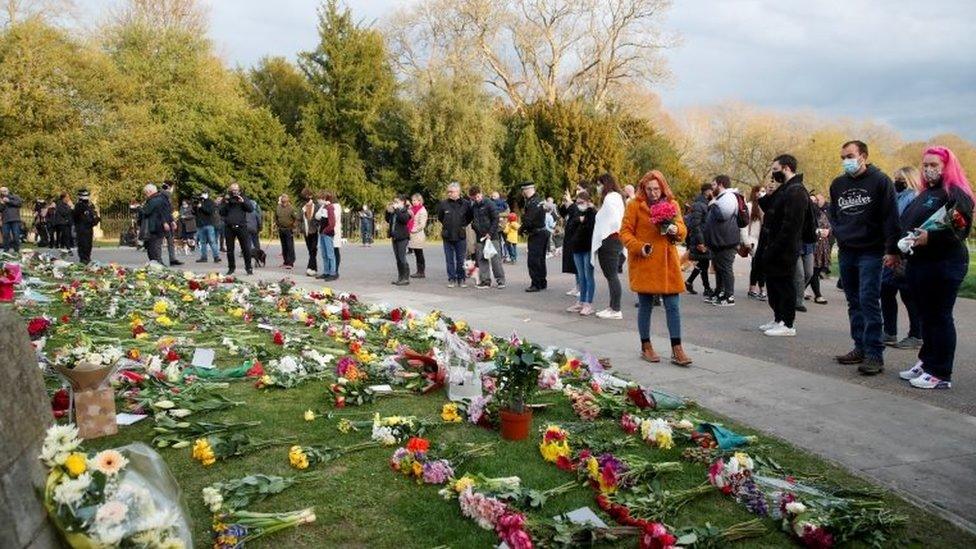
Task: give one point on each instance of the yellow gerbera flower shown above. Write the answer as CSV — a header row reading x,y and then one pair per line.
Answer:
x,y
76,463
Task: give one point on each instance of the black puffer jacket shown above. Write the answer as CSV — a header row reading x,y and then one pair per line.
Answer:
x,y
484,219
397,220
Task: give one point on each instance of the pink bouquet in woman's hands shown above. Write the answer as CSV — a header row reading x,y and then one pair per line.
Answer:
x,y
663,214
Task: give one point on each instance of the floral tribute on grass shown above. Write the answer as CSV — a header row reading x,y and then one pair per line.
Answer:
x,y
147,325
100,500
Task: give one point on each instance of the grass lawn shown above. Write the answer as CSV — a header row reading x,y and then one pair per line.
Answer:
x,y
362,503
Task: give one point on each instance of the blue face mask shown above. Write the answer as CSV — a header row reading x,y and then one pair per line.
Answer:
x,y
851,165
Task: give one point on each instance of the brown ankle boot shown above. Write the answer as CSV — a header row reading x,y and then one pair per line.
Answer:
x,y
648,354
678,356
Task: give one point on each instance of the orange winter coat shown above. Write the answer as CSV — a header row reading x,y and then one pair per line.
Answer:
x,y
660,272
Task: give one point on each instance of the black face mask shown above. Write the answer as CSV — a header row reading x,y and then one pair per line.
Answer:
x,y
779,177
900,186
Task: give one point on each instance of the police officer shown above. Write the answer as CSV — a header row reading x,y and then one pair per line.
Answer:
x,y
534,227
85,217
234,210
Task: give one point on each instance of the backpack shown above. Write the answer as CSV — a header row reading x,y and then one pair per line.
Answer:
x,y
742,213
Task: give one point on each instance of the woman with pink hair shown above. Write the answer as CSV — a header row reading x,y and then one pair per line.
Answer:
x,y
938,264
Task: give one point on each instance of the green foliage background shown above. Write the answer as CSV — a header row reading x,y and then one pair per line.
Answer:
x,y
144,103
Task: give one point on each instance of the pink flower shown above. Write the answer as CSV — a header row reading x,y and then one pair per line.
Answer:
x,y
483,509
511,529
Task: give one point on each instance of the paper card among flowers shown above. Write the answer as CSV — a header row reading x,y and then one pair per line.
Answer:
x,y
95,413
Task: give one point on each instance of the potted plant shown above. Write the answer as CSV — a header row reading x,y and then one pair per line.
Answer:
x,y
518,368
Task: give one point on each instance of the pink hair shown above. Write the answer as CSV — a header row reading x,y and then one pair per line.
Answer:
x,y
952,172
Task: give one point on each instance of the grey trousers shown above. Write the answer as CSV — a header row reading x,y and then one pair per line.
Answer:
x,y
495,262
804,270
723,260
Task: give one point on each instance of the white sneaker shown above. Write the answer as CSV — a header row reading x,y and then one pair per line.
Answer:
x,y
912,373
610,314
310,272
574,292
926,381
768,326
575,308
452,284
587,310
780,330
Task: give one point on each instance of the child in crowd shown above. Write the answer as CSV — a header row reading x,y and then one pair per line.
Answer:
x,y
511,237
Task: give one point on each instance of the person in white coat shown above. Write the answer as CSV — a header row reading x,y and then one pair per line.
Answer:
x,y
606,244
337,241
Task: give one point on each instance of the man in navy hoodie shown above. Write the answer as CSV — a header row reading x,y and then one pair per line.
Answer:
x,y
864,219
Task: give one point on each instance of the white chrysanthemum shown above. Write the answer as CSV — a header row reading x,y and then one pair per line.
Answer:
x,y
112,354
213,499
288,365
111,512
95,358
72,489
59,441
383,435
154,365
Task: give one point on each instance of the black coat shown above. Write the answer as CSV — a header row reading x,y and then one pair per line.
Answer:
x,y
234,210
85,215
397,220
484,219
62,213
570,215
454,216
695,222
155,212
582,239
785,212
534,217
204,211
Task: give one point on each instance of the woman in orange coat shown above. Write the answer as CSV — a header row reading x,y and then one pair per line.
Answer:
x,y
654,261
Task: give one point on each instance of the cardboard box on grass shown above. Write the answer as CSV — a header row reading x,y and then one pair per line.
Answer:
x,y
94,403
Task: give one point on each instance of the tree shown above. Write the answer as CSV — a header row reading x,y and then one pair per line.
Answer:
x,y
538,50
353,88
18,11
278,85
528,159
455,136
244,145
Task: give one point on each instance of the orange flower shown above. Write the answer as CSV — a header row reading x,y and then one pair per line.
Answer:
x,y
418,445
355,346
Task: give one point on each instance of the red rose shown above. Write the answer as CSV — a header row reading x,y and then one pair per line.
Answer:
x,y
346,315
340,402
396,315
65,319
193,285
60,400
37,326
278,338
172,356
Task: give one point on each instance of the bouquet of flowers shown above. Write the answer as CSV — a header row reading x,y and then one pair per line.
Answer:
x,y
303,457
393,429
232,529
663,214
734,477
415,460
238,493
209,449
946,218
180,434
112,498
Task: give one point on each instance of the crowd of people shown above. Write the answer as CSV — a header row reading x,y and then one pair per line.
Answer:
x,y
902,238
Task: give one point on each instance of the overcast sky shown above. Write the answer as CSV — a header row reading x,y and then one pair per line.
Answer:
x,y
904,62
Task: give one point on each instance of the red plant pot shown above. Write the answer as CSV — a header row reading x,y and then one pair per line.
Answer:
x,y
515,426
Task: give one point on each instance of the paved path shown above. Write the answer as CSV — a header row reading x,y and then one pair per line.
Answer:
x,y
919,443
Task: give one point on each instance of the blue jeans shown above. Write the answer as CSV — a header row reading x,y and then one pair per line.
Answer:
x,y
512,249
672,307
454,256
860,274
327,249
207,236
11,236
584,276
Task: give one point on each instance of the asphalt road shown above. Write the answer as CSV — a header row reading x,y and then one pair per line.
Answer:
x,y
821,333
